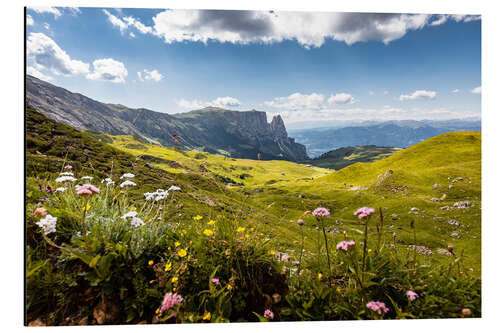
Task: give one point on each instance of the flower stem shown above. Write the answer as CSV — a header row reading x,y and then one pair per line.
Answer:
x,y
364,250
327,252
84,230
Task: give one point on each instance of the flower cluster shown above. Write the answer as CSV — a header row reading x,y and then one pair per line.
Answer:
x,y
378,307
128,183
321,211
127,175
64,179
170,300
87,189
131,213
412,295
345,245
48,224
158,195
364,212
108,181
136,222
268,314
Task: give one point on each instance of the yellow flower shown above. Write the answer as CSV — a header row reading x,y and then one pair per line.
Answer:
x,y
168,266
211,222
182,253
339,290
208,232
86,208
175,279
229,287
174,289
183,231
157,311
320,276
197,217
369,250
177,244
240,229
189,257
252,229
152,281
132,208
271,252
151,262
247,235
207,316
169,248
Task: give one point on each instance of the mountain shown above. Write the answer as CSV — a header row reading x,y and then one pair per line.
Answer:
x,y
232,133
400,134
342,157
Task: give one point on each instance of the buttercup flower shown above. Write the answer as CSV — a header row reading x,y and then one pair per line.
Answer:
x,y
412,295
378,307
127,175
87,189
170,300
321,211
182,253
345,245
364,212
40,212
48,224
240,229
151,262
208,232
207,316
269,314
211,222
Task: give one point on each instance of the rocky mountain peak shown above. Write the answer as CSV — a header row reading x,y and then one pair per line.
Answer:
x,y
278,127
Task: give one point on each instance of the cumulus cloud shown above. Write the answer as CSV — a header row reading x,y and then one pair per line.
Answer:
x,y
341,98
455,91
29,20
476,90
222,102
36,73
298,101
108,70
50,10
46,54
73,10
419,95
153,75
130,21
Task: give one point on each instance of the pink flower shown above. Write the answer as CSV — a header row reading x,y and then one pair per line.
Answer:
x,y
269,314
215,281
364,212
87,189
378,307
345,245
321,211
170,300
68,167
412,295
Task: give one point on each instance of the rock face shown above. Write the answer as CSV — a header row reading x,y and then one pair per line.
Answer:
x,y
215,130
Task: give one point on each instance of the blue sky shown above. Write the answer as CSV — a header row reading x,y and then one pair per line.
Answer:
x,y
312,68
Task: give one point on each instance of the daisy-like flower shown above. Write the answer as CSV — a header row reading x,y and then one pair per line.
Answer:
x,y
378,307
64,179
268,314
131,214
48,224
128,183
321,211
136,222
345,245
170,300
364,212
412,295
87,189
127,175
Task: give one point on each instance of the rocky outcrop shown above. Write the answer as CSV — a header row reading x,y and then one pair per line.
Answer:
x,y
237,134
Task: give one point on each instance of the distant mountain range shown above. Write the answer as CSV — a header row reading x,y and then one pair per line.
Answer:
x,y
215,130
399,134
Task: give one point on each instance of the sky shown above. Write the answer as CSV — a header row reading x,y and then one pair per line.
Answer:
x,y
313,68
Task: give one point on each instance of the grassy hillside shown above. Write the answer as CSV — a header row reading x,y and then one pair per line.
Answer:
x,y
342,157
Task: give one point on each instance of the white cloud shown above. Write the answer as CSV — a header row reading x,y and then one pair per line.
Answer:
x,y
455,91
371,93
153,75
115,21
73,10
108,70
222,102
46,54
298,101
50,10
36,73
29,20
341,98
476,90
130,21
46,26
440,19
131,34
419,95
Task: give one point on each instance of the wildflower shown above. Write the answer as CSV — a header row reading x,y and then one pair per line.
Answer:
x,y
412,295
364,212
168,266
240,229
320,276
177,244
175,279
40,212
247,236
207,316
87,177
211,222
108,181
87,189
321,211
229,287
215,280
174,188
197,217
86,208
60,189
48,224
49,189
208,232
151,262
64,179
152,281
269,314
129,214
128,183
466,312
170,300
378,307
300,222
127,175
271,252
182,253
136,222
345,245
252,229
68,167
66,174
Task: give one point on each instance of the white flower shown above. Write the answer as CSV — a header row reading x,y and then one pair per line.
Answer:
x,y
67,173
108,181
60,189
87,177
127,175
64,179
128,183
48,224
129,214
161,196
136,222
149,196
174,188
